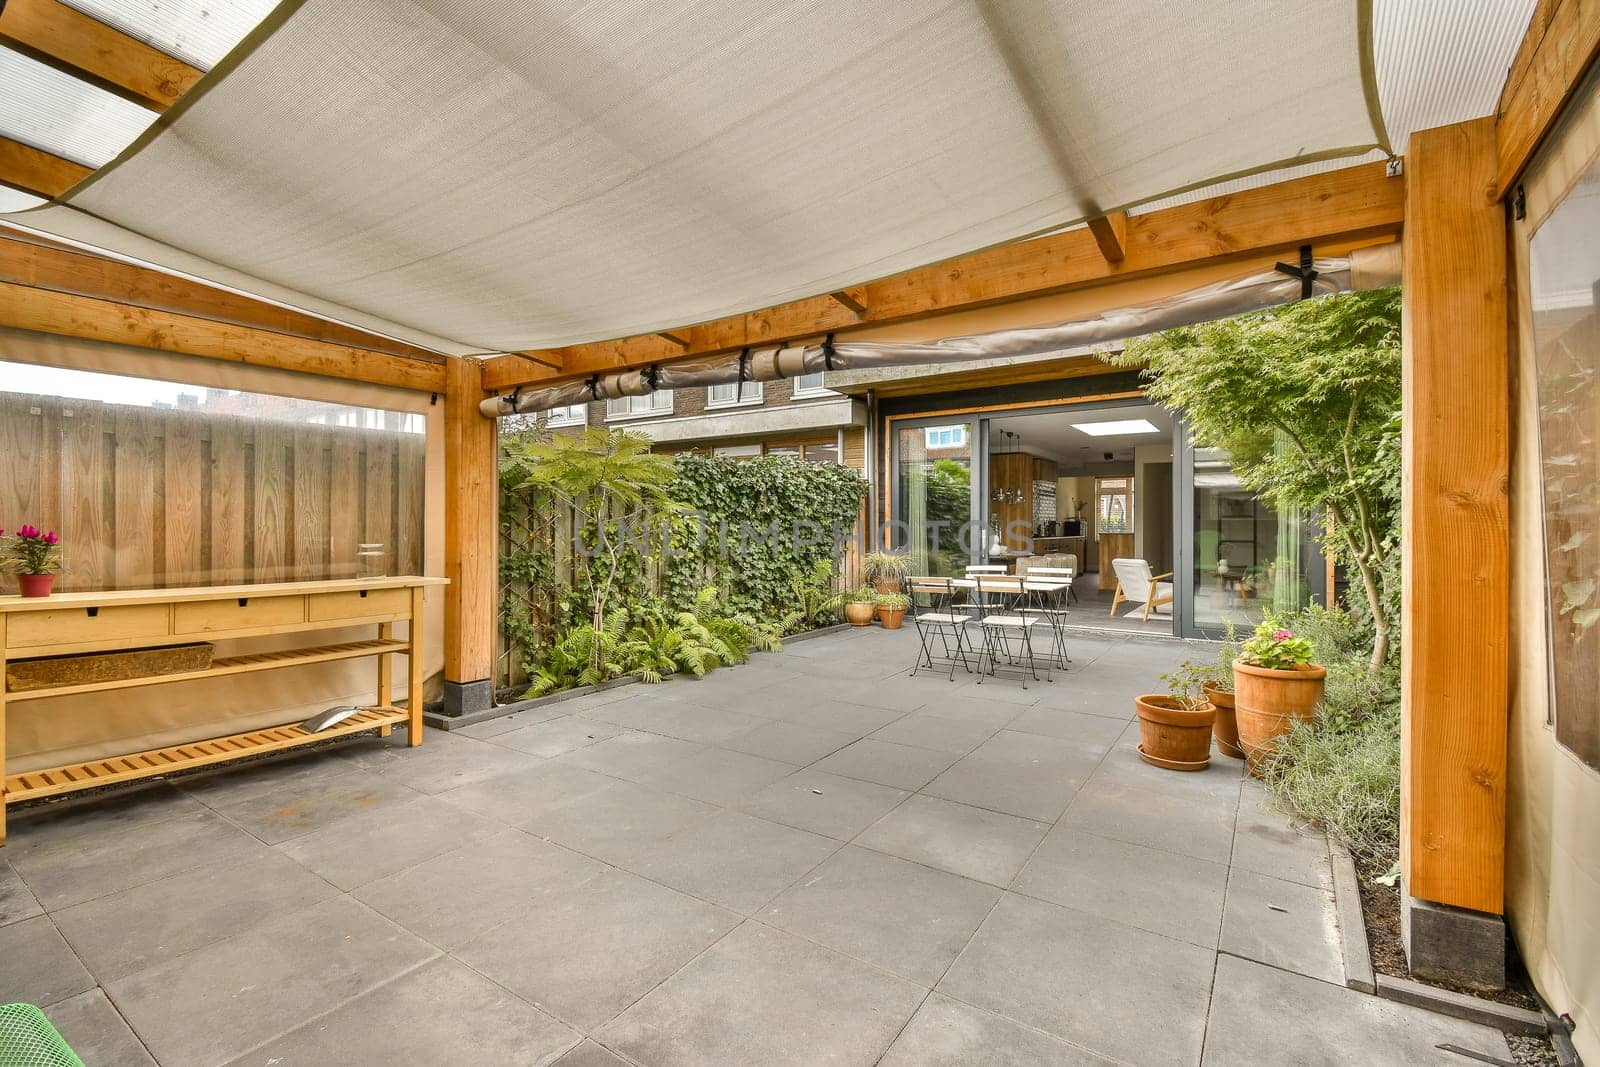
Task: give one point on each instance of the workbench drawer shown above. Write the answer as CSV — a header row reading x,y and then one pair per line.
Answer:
x,y
86,625
360,604
244,613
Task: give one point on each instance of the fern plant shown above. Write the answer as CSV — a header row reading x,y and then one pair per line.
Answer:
x,y
585,655
815,596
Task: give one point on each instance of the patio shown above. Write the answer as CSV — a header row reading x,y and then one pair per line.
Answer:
x,y
810,859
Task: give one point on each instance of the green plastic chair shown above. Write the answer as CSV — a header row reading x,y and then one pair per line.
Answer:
x,y
28,1040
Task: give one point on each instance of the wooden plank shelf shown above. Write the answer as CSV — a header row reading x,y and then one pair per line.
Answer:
x,y
259,661
75,776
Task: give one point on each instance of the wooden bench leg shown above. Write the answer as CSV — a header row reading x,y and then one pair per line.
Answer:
x,y
414,671
385,675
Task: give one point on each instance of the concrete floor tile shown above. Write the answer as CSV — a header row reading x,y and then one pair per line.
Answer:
x,y
790,742
159,921
983,845
558,736
516,798
900,766
439,765
922,730
948,1033
718,775
1266,842
1218,784
823,803
17,901
619,822
972,706
809,708
1094,734
301,806
1284,924
1007,688
457,895
589,1054
1020,774
762,996
37,966
630,754
1118,991
1158,820
1332,1026
584,953
363,848
439,1013
96,1032
1163,892
676,717
734,859
908,919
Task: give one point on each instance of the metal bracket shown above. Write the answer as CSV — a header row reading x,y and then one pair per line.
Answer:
x,y
1394,167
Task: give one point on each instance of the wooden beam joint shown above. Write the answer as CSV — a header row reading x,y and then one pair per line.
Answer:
x,y
1111,235
848,301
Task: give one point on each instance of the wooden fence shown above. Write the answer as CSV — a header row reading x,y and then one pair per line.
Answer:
x,y
157,497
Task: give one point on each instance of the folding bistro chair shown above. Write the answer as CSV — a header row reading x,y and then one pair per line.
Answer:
x,y
1001,622
1051,605
934,614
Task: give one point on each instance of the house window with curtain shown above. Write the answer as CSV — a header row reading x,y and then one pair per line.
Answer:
x,y
630,407
732,393
1114,510
571,415
809,385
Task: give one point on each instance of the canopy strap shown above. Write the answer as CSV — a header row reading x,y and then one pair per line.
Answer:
x,y
827,352
744,364
1305,271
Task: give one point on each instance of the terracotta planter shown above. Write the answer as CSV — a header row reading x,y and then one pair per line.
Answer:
x,y
1226,727
892,618
36,584
1172,736
886,585
1267,701
860,613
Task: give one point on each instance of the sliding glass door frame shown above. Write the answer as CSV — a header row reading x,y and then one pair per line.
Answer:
x,y
978,483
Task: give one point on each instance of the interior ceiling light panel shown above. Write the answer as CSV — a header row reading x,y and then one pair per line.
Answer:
x,y
1114,429
199,32
63,115
515,176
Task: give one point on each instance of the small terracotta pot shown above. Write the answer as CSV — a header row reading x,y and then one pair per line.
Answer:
x,y
860,613
36,585
892,618
1173,736
1226,728
1267,701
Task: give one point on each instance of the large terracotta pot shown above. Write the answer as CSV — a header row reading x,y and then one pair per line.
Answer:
x,y
1226,727
1266,701
887,585
892,618
860,612
35,585
1173,736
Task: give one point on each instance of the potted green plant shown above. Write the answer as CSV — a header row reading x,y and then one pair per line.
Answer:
x,y
892,609
1218,688
34,556
859,604
885,571
1175,726
1274,683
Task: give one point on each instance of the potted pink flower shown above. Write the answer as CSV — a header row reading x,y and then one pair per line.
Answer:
x,y
1274,683
34,555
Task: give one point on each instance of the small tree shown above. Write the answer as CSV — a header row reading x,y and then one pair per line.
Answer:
x,y
1306,401
613,482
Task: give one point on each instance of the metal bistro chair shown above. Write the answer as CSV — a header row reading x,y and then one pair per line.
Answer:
x,y
1001,623
1051,605
933,613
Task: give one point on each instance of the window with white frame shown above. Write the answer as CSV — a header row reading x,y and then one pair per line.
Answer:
x,y
623,407
946,436
571,415
731,393
810,385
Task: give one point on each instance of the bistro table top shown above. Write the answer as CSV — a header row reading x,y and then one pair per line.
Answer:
x,y
1038,585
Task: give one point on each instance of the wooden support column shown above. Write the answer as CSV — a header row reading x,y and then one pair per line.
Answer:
x,y
471,541
1455,557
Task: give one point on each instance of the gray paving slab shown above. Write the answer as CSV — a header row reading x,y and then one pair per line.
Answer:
x,y
97,1032
1094,734
1265,841
1163,892
733,859
762,996
631,754
937,732
301,806
17,901
440,1013
618,823
390,838
585,952
558,736
218,1002
983,845
1116,990
434,768
677,717
1020,774
150,924
973,706
948,1033
790,742
1284,924
908,919
589,1054
1159,820
718,775
812,709
515,798
1332,1026
37,966
884,762
823,803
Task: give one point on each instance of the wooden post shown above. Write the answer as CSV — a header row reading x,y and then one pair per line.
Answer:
x,y
471,541
1456,602
414,680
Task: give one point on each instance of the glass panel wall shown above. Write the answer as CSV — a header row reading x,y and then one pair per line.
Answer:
x,y
934,489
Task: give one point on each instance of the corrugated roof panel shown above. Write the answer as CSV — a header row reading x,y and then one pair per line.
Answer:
x,y
199,32
63,115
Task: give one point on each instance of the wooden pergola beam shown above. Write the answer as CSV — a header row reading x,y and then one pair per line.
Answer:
x,y
40,173
1562,41
472,484
67,315
1350,203
65,38
1111,234
30,261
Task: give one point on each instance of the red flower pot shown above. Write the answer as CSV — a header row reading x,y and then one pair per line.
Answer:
x,y
36,584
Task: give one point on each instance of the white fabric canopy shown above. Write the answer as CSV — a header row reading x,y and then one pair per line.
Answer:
x,y
482,175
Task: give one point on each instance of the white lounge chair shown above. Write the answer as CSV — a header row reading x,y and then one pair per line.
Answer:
x,y
1136,585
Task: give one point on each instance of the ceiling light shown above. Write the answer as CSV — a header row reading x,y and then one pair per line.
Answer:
x,y
1109,429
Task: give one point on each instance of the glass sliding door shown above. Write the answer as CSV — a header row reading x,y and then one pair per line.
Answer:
x,y
936,486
